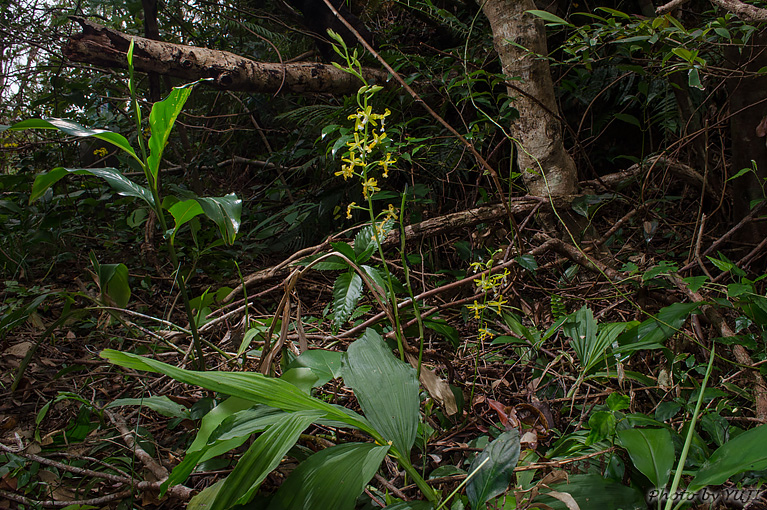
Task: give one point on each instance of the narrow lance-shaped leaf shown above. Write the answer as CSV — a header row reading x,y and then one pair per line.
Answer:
x,y
112,176
745,452
263,456
161,120
249,386
74,129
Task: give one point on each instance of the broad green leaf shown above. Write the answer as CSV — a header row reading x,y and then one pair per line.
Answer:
x,y
225,212
594,491
628,119
326,365
345,250
364,245
254,387
443,328
183,212
500,458
161,120
651,451
330,479
113,279
159,404
263,456
75,129
302,378
745,452
549,18
386,389
375,275
112,176
693,79
695,282
347,290
601,426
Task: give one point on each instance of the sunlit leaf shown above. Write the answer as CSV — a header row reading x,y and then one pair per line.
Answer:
x,y
112,176
74,129
250,386
161,120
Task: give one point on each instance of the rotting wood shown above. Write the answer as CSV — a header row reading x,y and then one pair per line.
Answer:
x,y
102,46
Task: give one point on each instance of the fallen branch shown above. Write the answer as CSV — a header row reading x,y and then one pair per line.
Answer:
x,y
427,228
102,46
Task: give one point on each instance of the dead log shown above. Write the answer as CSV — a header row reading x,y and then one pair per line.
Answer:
x,y
101,46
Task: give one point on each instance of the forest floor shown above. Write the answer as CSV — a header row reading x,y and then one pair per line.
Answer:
x,y
67,447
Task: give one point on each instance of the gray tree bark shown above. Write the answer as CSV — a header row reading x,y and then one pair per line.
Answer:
x,y
520,40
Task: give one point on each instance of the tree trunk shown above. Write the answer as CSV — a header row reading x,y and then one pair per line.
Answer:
x,y
547,169
748,110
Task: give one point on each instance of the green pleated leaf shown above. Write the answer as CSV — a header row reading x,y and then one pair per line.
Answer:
x,y
364,244
225,213
263,456
254,387
386,388
233,430
112,176
161,120
746,452
159,404
651,451
500,458
75,129
330,479
204,499
346,292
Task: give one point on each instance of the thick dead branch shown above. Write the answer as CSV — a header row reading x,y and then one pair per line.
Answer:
x,y
101,46
427,228
656,163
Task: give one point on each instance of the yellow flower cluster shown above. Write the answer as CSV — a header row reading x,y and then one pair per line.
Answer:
x,y
486,284
355,161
